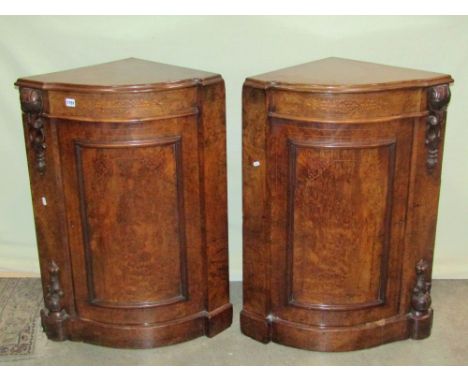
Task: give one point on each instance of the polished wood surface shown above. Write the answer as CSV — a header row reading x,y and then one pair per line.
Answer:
x,y
129,197
335,74
130,74
347,189
340,203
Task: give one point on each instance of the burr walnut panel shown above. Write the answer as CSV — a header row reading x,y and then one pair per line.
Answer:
x,y
328,236
114,107
357,108
150,179
144,179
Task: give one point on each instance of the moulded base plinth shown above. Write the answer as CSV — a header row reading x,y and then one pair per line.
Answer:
x,y
142,336
334,339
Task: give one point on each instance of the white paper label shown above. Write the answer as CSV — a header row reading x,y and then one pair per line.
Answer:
x,y
70,102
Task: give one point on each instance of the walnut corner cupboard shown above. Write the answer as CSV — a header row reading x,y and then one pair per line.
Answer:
x,y
341,177
127,164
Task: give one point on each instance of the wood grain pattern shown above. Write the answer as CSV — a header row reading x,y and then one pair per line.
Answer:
x,y
322,262
51,232
256,215
147,187
132,207
339,206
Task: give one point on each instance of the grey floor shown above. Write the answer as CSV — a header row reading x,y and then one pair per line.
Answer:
x,y
448,344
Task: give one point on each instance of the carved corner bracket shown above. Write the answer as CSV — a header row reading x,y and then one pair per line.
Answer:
x,y
421,313
438,99
32,104
54,316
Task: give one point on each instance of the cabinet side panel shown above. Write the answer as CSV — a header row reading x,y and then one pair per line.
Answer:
x,y
123,233
338,223
344,176
49,212
132,197
255,199
214,189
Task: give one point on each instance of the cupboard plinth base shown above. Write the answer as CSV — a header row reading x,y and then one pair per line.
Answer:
x,y
147,336
335,339
341,172
218,320
255,326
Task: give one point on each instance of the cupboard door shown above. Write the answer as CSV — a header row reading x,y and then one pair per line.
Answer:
x,y
338,203
132,192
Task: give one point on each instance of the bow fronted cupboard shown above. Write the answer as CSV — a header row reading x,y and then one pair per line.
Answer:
x,y
341,176
127,163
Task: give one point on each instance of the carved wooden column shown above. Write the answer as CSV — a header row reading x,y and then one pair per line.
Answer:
x,y
421,313
54,316
31,104
438,99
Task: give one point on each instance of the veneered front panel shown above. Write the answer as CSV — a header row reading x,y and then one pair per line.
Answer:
x,y
132,192
338,223
337,210
123,235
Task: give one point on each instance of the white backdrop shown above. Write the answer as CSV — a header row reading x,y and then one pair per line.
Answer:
x,y
236,47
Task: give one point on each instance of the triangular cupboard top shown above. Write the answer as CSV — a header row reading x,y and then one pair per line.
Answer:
x,y
131,74
343,75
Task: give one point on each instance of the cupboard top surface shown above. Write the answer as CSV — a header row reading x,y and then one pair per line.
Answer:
x,y
340,75
129,74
